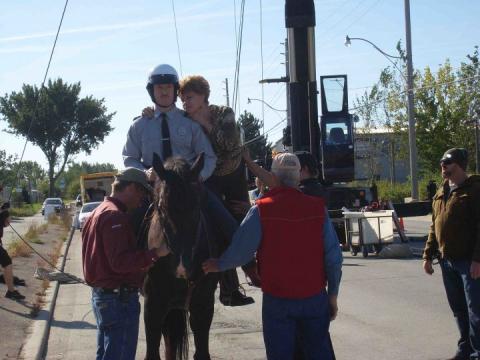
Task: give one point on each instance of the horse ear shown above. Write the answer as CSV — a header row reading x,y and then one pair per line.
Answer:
x,y
197,166
158,166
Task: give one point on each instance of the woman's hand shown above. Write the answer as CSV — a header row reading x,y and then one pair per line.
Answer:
x,y
148,112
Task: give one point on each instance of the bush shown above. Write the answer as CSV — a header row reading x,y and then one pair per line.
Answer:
x,y
25,210
395,193
399,191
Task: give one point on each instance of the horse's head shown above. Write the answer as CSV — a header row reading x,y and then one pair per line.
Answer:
x,y
177,201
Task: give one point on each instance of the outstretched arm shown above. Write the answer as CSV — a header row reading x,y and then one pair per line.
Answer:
x,y
265,176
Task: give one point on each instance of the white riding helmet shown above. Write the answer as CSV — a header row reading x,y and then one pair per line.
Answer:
x,y
162,74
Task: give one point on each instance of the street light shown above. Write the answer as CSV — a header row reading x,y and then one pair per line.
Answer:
x,y
410,107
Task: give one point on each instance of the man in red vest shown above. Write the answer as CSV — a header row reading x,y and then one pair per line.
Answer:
x,y
298,255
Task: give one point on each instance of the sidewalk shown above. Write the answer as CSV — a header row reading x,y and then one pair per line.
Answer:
x,y
21,225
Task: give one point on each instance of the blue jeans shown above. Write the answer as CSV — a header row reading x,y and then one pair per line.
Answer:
x,y
117,324
463,294
283,318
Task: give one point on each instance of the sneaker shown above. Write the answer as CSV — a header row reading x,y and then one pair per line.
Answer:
x,y
236,298
14,295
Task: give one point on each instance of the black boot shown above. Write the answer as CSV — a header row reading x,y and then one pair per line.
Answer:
x,y
236,298
229,290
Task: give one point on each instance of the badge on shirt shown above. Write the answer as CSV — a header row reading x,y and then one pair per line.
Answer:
x,y
182,131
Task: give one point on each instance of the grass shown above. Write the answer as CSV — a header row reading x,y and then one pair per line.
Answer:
x,y
18,248
25,210
64,219
33,233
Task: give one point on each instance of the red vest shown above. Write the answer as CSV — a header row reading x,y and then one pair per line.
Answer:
x,y
290,256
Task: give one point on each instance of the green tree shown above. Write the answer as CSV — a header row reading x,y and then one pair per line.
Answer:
x,y
7,175
57,120
256,143
29,174
443,109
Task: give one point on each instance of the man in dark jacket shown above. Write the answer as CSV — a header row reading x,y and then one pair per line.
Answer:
x,y
309,183
455,237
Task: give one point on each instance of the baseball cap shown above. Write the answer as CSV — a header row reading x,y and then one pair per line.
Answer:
x,y
286,162
455,155
132,174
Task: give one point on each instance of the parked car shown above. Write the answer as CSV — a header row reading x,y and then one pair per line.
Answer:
x,y
56,202
85,213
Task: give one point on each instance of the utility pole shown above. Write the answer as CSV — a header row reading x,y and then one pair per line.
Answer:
x,y
226,92
412,139
300,25
287,72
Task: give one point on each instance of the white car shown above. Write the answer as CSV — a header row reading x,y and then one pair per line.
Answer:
x,y
57,203
85,212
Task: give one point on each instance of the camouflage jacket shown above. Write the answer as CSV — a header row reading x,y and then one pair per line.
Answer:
x,y
225,139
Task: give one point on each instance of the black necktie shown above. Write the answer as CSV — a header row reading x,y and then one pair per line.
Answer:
x,y
166,145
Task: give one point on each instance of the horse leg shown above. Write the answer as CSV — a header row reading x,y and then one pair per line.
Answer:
x,y
155,310
175,335
153,318
201,314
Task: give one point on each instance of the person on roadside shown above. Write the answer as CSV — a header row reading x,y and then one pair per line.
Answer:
x,y
454,238
115,268
228,181
298,257
6,262
258,192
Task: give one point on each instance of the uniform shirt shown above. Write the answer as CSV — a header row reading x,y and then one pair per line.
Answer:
x,y
186,137
109,248
247,239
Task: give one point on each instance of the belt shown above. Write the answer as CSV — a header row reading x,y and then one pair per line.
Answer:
x,y
121,289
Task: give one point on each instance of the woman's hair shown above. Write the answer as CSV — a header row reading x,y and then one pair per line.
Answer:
x,y
196,83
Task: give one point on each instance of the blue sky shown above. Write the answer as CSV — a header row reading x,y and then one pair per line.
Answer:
x,y
109,46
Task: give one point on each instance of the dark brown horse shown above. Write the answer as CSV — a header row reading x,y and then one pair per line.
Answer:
x,y
175,287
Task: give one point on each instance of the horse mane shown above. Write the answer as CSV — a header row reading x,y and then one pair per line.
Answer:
x,y
177,208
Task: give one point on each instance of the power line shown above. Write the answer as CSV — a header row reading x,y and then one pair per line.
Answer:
x,y
176,35
353,22
261,57
465,79
40,92
236,80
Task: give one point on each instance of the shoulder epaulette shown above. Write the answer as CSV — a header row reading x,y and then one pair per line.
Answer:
x,y
136,118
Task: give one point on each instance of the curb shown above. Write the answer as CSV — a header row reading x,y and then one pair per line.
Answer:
x,y
36,345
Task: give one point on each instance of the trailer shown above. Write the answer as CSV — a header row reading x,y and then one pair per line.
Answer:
x,y
94,187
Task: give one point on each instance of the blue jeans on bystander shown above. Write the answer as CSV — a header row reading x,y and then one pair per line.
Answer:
x,y
463,294
283,318
117,324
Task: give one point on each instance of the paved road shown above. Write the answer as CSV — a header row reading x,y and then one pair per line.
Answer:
x,y
388,310
21,226
417,225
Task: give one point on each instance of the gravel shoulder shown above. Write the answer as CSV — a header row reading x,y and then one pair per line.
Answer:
x,y
16,317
